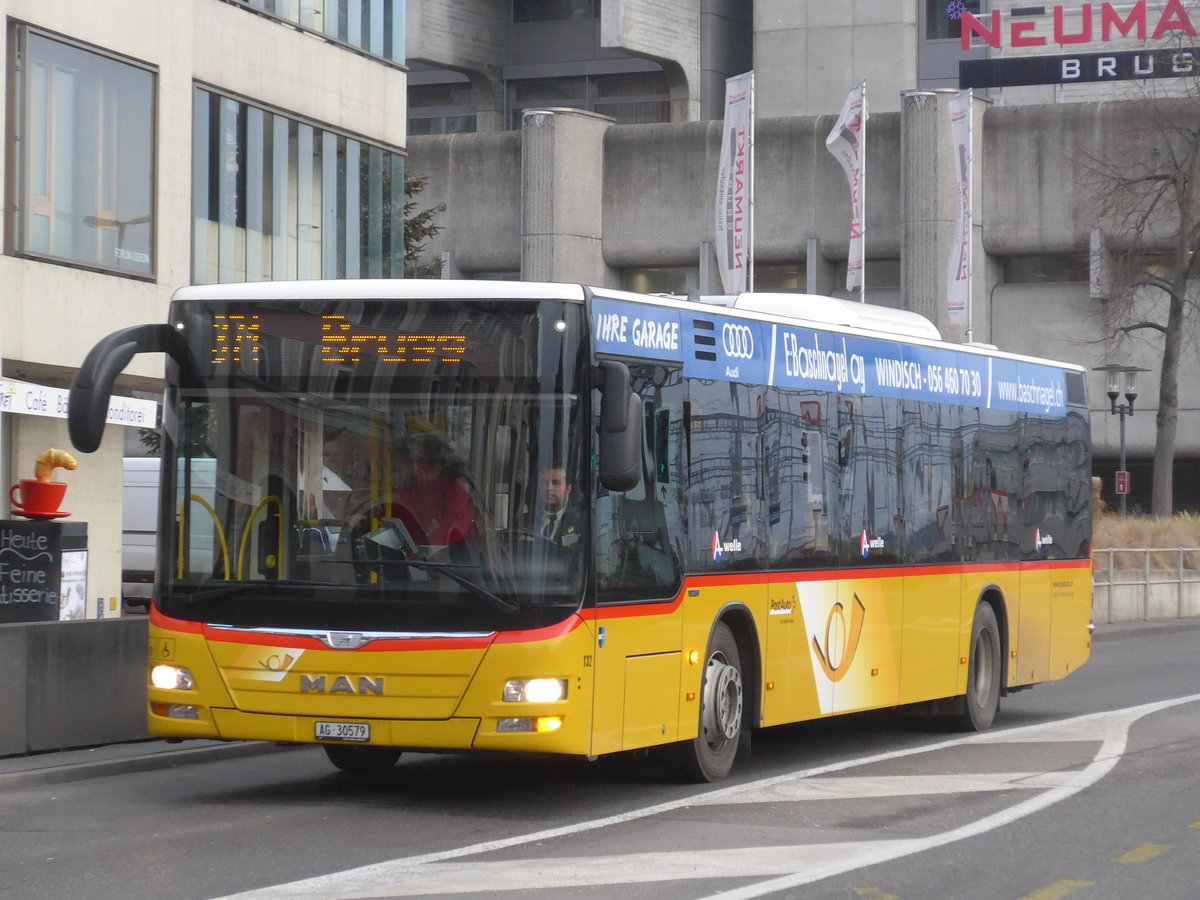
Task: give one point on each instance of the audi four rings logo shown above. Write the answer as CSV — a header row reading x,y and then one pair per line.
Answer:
x,y
737,341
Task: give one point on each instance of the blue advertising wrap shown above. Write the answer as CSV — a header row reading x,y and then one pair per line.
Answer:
x,y
725,348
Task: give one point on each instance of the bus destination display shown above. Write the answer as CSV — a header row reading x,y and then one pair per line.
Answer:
x,y
237,338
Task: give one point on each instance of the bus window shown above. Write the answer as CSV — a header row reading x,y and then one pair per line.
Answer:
x,y
795,471
638,531
870,507
725,502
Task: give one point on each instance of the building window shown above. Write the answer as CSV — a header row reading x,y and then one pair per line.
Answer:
x,y
554,10
374,26
635,98
275,198
1059,268
447,108
85,158
781,278
943,18
662,280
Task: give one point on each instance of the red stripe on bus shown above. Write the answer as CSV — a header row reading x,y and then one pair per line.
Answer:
x,y
549,633
164,621
763,579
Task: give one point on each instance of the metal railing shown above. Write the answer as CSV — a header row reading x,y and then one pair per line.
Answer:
x,y
1145,584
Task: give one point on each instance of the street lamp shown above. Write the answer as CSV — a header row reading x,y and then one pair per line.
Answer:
x,y
1122,380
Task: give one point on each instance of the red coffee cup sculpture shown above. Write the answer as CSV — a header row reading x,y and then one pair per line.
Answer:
x,y
39,497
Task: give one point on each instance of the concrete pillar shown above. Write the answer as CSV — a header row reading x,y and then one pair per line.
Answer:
x,y
450,267
709,281
819,271
562,192
929,199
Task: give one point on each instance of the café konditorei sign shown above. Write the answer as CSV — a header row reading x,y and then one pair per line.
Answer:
x,y
1088,24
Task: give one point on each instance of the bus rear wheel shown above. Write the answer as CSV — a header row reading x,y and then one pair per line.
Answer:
x,y
983,672
709,756
361,760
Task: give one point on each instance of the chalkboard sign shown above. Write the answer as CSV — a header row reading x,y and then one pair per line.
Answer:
x,y
31,555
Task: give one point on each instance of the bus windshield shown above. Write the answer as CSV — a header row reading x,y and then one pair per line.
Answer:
x,y
378,466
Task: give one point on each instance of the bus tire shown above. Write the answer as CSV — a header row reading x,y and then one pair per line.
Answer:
x,y
361,760
710,755
983,671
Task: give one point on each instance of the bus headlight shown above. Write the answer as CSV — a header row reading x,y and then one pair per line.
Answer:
x,y
535,690
172,678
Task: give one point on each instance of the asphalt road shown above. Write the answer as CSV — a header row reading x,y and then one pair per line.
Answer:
x,y
1086,788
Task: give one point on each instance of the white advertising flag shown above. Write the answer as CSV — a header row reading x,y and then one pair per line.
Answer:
x,y
958,273
733,219
847,143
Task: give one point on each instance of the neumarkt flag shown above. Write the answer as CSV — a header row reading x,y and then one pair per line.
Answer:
x,y
732,224
958,274
846,143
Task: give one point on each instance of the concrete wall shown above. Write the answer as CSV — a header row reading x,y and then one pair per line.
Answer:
x,y
72,684
809,53
468,36
667,31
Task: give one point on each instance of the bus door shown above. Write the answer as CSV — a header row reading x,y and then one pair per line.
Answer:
x,y
637,540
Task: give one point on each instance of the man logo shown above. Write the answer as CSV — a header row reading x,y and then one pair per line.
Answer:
x,y
737,341
841,639
316,684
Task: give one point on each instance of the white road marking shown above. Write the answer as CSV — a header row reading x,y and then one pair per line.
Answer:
x,y
852,788
784,867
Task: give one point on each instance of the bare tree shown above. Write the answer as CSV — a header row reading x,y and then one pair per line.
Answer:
x,y
1146,196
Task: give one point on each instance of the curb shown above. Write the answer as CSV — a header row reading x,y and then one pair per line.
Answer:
x,y
1117,630
59,773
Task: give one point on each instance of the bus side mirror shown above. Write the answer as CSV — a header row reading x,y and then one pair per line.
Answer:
x,y
92,385
620,428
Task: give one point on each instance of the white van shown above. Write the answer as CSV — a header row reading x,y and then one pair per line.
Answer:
x,y
139,525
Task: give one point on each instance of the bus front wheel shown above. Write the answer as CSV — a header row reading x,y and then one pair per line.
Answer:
x,y
361,760
709,756
984,671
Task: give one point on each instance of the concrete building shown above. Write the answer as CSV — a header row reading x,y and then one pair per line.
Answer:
x,y
544,175
151,145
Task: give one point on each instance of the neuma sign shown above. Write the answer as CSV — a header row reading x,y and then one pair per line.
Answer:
x,y
1077,28
1090,24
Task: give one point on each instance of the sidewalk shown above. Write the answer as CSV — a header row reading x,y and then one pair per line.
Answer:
x,y
150,755
60,766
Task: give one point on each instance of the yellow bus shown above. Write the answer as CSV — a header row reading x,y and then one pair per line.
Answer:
x,y
464,515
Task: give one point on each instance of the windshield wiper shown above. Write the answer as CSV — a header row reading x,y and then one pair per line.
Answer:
x,y
508,607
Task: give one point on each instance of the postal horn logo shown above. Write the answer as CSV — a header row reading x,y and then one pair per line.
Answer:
x,y
841,639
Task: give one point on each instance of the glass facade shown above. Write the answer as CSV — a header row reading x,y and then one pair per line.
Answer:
x,y
374,26
275,198
85,157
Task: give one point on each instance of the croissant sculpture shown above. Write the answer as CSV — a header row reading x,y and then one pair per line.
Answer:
x,y
50,460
